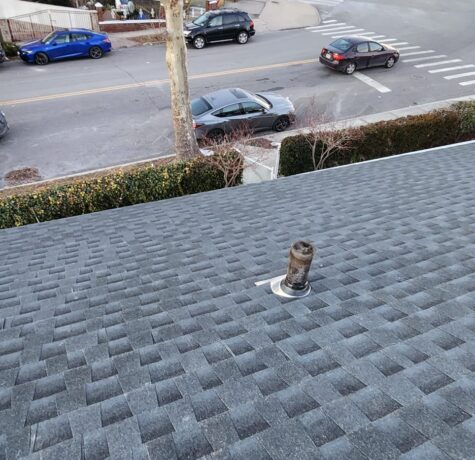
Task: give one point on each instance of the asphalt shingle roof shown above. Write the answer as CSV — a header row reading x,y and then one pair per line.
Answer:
x,y
139,333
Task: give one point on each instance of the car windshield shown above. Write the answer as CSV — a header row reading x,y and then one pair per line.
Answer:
x,y
48,38
202,20
262,101
341,44
199,106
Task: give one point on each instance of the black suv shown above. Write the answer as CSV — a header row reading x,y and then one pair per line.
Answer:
x,y
217,25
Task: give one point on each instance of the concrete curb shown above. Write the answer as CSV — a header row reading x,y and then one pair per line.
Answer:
x,y
272,160
381,116
267,168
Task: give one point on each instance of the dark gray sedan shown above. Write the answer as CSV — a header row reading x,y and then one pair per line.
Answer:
x,y
229,111
3,124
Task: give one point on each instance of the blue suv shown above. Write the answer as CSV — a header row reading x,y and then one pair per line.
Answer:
x,y
66,44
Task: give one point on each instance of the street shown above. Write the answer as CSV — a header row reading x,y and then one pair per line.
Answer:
x,y
81,115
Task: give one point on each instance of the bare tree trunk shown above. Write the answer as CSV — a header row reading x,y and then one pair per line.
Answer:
x,y
185,140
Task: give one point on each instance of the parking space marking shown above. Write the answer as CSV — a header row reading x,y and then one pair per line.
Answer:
x,y
373,83
427,58
449,69
416,53
466,83
432,64
459,75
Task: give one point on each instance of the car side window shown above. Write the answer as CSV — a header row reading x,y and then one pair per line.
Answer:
x,y
230,19
232,110
63,38
373,46
362,47
216,21
79,37
252,107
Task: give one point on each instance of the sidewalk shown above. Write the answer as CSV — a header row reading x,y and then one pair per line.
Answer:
x,y
266,166
268,15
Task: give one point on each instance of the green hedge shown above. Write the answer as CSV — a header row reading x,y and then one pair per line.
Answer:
x,y
387,138
114,190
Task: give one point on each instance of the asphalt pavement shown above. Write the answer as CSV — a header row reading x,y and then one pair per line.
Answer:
x,y
79,115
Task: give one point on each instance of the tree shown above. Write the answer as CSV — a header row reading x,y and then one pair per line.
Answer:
x,y
326,138
186,144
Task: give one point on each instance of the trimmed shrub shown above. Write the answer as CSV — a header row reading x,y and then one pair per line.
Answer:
x,y
386,138
113,190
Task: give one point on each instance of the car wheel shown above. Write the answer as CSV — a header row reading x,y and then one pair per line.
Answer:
x,y
96,52
242,37
215,136
350,68
41,59
199,42
390,62
281,124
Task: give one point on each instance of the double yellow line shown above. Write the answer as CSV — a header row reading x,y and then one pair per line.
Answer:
x,y
148,83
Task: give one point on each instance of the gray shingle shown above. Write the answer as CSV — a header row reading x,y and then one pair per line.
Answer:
x,y
148,338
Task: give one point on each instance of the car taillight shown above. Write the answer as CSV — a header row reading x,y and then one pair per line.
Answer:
x,y
251,25
338,57
196,125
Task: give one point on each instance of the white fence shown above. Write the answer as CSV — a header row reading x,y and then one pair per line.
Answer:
x,y
37,25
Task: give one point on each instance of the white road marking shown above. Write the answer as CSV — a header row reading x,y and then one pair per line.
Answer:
x,y
449,69
432,64
414,53
349,32
374,37
409,48
335,30
373,83
399,43
328,21
425,58
390,39
326,27
368,34
466,83
459,75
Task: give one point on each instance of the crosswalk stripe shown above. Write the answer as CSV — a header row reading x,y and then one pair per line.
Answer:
x,y
449,69
459,75
349,32
432,64
389,39
328,21
336,30
414,53
426,58
324,2
409,48
376,37
466,83
329,27
399,43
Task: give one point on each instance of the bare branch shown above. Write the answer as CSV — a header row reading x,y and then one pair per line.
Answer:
x,y
324,137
